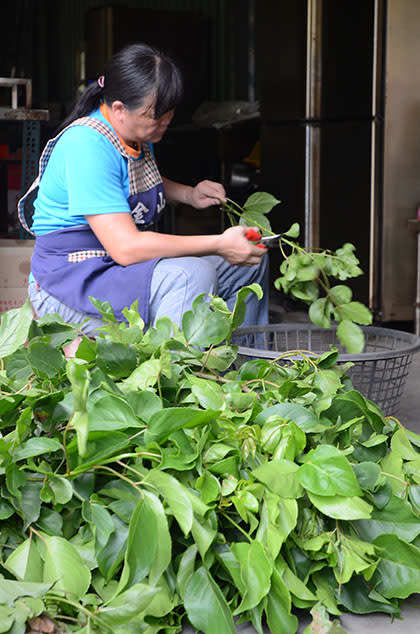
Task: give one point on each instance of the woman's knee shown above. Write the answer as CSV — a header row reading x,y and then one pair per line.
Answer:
x,y
192,274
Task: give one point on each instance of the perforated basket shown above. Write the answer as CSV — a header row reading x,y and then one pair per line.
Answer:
x,y
379,372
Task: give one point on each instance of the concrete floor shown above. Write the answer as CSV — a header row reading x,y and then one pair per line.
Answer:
x,y
409,416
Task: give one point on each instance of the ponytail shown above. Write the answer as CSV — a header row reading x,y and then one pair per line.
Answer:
x,y
89,100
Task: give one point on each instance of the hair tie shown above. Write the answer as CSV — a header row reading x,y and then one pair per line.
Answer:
x,y
101,81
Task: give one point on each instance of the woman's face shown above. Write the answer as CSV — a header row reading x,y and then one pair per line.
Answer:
x,y
140,125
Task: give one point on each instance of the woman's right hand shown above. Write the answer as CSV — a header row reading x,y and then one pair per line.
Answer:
x,y
235,247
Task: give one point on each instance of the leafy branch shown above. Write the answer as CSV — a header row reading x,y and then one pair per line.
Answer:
x,y
306,275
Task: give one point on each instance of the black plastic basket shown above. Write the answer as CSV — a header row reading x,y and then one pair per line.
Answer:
x,y
379,372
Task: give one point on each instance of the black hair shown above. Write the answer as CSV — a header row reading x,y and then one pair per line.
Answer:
x,y
136,72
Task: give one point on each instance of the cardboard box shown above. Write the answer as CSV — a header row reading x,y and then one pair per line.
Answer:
x,y
15,266
12,298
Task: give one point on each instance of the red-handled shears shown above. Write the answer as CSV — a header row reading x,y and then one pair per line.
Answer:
x,y
267,241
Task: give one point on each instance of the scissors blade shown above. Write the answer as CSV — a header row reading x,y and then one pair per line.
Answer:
x,y
271,241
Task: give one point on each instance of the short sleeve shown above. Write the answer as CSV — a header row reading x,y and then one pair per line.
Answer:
x,y
94,173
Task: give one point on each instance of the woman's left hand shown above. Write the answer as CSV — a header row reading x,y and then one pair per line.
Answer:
x,y
207,193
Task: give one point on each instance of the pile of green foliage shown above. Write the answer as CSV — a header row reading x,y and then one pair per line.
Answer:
x,y
149,483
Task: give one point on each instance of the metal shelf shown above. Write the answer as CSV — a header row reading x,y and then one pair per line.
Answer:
x,y
23,114
31,120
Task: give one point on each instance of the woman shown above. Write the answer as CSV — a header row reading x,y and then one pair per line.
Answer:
x,y
98,194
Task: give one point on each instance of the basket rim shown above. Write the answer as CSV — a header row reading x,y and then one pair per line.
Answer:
x,y
412,340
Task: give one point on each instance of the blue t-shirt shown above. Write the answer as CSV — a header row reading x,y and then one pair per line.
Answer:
x,y
85,175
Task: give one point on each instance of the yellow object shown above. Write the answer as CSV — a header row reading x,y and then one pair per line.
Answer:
x,y
255,156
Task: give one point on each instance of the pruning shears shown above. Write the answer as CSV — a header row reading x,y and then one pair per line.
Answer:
x,y
267,241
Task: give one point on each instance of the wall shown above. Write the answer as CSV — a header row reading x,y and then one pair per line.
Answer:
x,y
42,39
401,159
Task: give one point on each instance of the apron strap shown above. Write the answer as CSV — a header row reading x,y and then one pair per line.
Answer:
x,y
25,205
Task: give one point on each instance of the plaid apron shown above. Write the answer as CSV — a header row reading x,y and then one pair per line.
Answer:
x,y
72,265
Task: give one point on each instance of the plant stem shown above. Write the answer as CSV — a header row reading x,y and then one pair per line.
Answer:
x,y
236,525
242,214
90,615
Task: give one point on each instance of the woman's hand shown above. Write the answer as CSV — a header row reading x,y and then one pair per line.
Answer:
x,y
237,249
205,194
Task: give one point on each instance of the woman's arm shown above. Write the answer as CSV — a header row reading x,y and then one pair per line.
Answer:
x,y
126,245
204,194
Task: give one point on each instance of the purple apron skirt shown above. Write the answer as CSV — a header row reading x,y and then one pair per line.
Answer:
x,y
100,277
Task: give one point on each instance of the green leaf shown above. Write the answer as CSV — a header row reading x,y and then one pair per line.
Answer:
x,y
326,471
14,329
166,421
208,393
355,311
295,586
278,608
206,607
79,378
356,597
221,358
204,532
340,507
261,202
7,618
307,274
45,360
145,375
319,313
142,546
354,556
239,310
112,554
367,474
30,504
414,496
255,570
303,417
111,413
6,510
144,404
396,518
36,447
23,424
116,359
209,487
127,605
340,294
203,327
255,219
277,520
64,567
25,562
101,445
11,590
294,231
50,522
61,489
327,381
162,537
398,572
351,336
174,494
186,569
280,476
401,445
